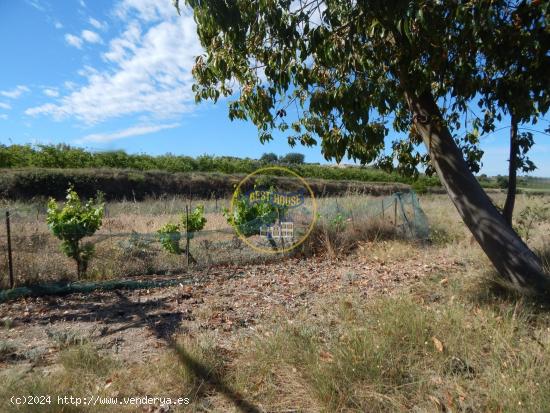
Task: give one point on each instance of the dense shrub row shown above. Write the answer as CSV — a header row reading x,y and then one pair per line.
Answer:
x,y
67,157
128,184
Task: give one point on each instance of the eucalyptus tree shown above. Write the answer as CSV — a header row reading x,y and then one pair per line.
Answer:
x,y
338,70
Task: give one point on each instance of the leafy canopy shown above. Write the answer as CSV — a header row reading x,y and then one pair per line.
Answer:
x,y
196,220
340,69
293,158
269,158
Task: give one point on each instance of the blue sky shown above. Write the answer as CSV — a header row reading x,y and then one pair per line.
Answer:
x,y
117,75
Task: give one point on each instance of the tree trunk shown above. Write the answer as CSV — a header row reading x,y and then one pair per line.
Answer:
x,y
508,210
509,254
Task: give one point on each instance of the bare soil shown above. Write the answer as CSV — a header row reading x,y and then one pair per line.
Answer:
x,y
137,325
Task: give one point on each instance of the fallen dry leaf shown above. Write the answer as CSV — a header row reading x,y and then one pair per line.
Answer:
x,y
438,344
435,400
326,356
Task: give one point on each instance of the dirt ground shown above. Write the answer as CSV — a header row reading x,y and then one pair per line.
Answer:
x,y
137,325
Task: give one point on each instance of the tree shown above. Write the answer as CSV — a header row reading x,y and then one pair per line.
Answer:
x,y
269,158
514,82
72,223
344,67
293,158
502,182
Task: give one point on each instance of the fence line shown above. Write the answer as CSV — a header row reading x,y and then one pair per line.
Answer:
x,y
35,257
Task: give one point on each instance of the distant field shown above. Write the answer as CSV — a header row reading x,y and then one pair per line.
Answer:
x,y
524,183
535,189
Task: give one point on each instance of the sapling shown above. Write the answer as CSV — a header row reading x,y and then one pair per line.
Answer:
x,y
170,234
72,222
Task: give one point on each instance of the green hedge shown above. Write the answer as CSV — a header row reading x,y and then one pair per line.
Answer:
x,y
67,157
29,183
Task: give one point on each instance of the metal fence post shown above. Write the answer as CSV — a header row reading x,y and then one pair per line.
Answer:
x,y
395,211
10,260
187,234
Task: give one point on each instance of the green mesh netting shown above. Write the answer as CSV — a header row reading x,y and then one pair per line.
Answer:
x,y
38,261
401,209
64,288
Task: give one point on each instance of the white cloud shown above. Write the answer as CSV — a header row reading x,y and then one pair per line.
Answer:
x,y
126,133
69,85
51,92
87,71
6,106
15,93
3,116
147,10
86,36
73,40
36,4
148,73
82,3
58,25
126,44
91,37
96,23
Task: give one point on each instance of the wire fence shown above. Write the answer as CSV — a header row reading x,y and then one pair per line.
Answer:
x,y
127,244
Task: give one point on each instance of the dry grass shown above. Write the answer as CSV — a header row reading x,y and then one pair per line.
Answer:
x,y
118,253
85,371
448,343
37,257
400,354
335,239
451,341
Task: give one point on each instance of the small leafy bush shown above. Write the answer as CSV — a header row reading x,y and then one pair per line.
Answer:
x,y
339,222
502,182
169,237
170,234
420,187
196,221
249,217
531,216
74,221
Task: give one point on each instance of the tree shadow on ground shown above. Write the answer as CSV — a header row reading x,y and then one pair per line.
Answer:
x,y
123,312
213,380
118,312
492,290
